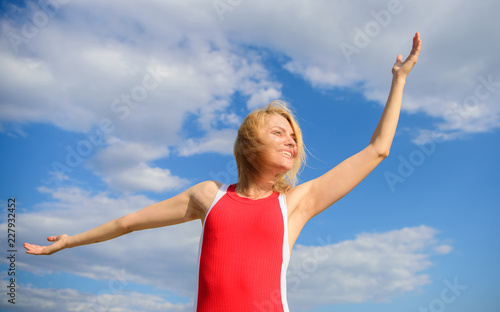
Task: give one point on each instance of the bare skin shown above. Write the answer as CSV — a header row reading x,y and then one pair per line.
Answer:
x,y
303,202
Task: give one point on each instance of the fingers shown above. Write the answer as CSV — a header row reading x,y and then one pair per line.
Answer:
x,y
32,249
415,50
417,43
403,68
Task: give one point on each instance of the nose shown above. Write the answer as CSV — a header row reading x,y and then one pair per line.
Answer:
x,y
290,142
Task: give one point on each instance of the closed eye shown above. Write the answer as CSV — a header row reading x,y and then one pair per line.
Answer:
x,y
278,131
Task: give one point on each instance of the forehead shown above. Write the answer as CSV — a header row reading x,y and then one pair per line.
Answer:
x,y
274,120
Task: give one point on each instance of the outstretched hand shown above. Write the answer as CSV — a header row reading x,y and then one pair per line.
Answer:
x,y
47,250
402,69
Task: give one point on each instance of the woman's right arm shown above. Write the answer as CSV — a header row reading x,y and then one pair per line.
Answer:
x,y
187,206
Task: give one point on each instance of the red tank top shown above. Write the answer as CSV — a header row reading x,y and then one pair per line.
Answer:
x,y
243,255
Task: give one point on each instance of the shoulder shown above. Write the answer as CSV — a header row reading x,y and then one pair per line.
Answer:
x,y
204,193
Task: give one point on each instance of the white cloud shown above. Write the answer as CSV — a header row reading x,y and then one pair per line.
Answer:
x,y
124,166
114,298
216,141
263,97
372,267
424,136
443,249
142,177
120,153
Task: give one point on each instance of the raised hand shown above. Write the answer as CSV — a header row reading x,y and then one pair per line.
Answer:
x,y
47,250
402,69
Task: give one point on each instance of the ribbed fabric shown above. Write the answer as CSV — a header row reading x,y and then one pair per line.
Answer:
x,y
243,255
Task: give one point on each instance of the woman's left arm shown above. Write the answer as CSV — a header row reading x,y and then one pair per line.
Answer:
x,y
311,198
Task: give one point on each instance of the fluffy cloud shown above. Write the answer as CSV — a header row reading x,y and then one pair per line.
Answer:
x,y
113,298
443,249
216,141
125,166
372,267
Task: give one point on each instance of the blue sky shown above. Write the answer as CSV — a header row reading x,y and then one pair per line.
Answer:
x,y
107,107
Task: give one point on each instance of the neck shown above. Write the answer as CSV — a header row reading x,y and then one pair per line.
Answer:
x,y
255,188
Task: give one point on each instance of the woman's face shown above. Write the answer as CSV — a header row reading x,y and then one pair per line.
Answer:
x,y
279,144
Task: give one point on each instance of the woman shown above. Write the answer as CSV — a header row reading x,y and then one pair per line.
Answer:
x,y
250,228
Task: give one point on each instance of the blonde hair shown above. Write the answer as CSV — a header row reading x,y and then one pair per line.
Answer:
x,y
248,145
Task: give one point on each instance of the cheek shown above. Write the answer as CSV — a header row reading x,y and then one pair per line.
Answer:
x,y
274,143
268,156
